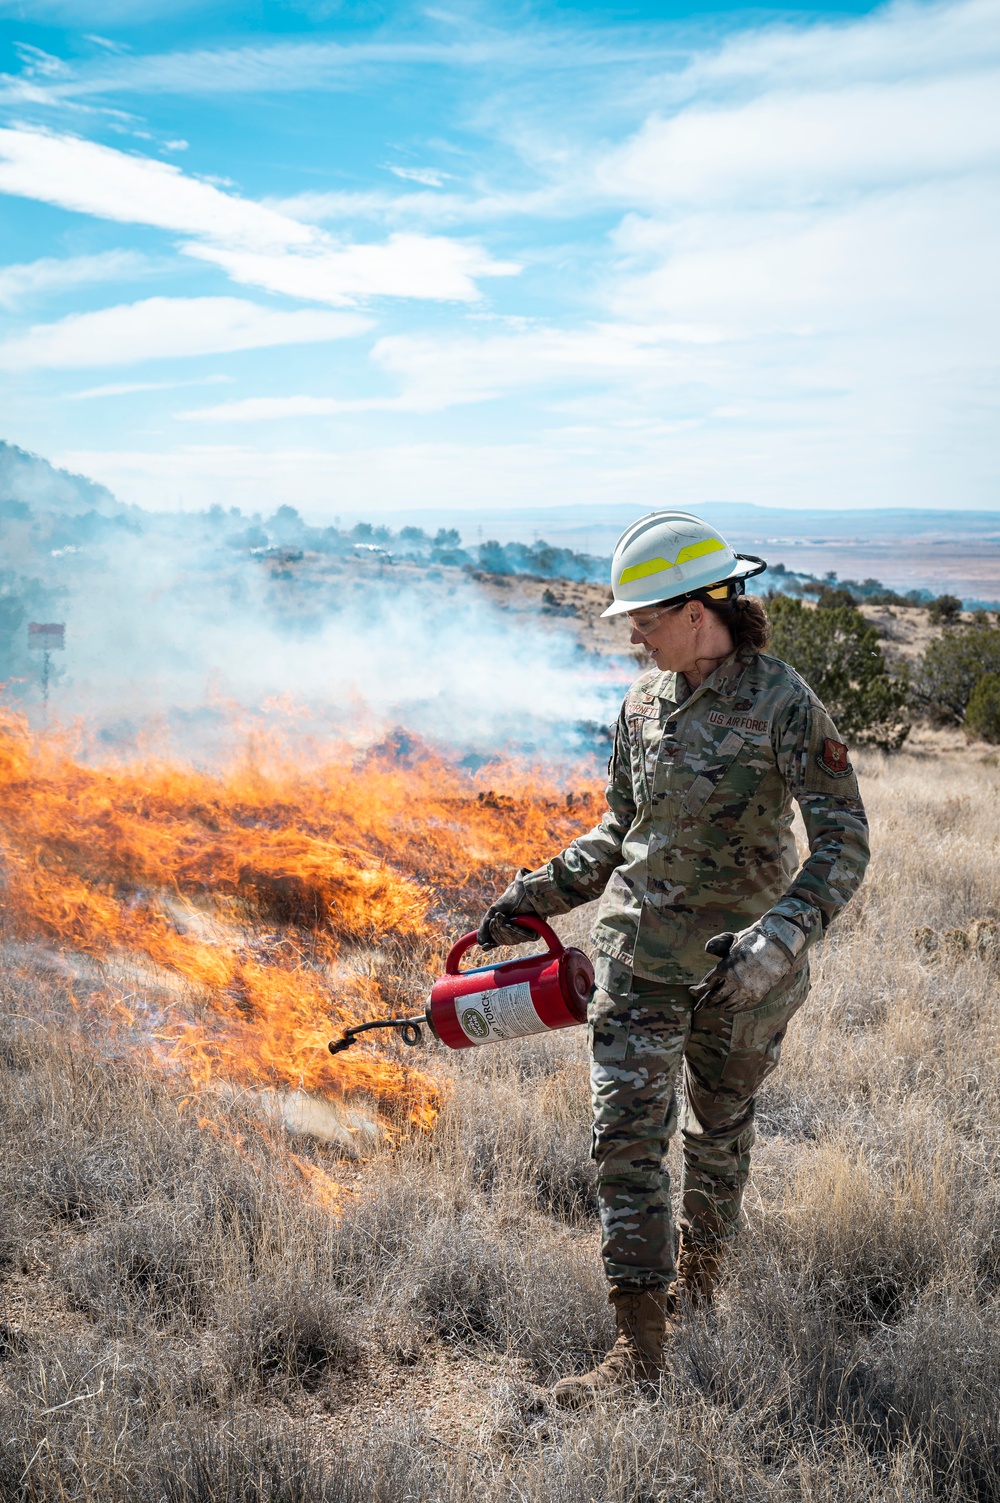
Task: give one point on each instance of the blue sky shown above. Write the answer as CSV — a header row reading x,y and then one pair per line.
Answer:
x,y
363,256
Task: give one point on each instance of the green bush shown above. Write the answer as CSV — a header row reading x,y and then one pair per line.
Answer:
x,y
951,668
945,610
837,653
982,713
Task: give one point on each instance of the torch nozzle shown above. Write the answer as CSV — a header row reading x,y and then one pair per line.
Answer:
x,y
409,1029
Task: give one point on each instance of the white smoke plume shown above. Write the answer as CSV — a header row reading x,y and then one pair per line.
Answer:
x,y
178,627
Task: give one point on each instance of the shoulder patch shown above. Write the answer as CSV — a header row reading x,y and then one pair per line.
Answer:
x,y
826,764
833,759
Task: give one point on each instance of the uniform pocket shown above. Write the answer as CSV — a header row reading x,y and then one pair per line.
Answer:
x,y
608,1023
728,784
757,1035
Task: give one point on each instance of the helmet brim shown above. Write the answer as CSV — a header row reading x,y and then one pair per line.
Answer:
x,y
745,567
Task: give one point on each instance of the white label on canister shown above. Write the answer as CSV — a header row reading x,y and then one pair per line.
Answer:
x,y
505,1012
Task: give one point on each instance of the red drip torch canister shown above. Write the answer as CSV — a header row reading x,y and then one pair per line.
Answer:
x,y
512,999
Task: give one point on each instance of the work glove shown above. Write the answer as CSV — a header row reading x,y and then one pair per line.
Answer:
x,y
496,929
751,963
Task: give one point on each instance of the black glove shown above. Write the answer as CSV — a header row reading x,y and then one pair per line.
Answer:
x,y
495,928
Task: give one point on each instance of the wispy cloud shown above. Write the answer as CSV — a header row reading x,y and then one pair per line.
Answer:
x,y
428,176
460,44
416,266
19,283
272,409
126,388
798,149
93,179
436,374
255,245
162,328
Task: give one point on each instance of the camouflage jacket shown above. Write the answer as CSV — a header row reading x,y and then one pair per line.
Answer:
x,y
697,837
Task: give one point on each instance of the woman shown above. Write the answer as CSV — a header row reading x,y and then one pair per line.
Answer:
x,y
695,853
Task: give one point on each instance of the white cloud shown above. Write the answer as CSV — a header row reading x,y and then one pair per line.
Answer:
x,y
92,179
274,409
163,328
126,388
903,40
255,245
41,63
31,278
298,66
428,176
435,373
438,373
412,266
803,148
833,212
560,200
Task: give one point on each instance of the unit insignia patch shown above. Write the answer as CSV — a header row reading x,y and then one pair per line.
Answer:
x,y
833,759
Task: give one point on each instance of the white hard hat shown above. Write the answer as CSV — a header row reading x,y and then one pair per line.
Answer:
x,y
669,555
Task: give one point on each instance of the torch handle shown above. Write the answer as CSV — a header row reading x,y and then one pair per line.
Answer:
x,y
527,920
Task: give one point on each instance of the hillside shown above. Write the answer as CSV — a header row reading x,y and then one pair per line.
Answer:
x,y
28,480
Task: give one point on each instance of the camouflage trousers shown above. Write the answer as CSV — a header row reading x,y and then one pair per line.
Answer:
x,y
639,1044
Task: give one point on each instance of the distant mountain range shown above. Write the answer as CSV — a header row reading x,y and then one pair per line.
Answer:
x,y
743,524
954,551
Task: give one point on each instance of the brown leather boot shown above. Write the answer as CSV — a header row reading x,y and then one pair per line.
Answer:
x,y
643,1318
698,1266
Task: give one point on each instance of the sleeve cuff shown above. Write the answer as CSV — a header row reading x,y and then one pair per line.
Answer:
x,y
545,895
794,924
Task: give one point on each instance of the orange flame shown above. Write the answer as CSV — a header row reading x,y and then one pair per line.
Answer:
x,y
273,902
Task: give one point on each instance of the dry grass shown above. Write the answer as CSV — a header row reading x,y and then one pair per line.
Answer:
x,y
179,1322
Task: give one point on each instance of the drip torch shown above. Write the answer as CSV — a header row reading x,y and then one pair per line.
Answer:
x,y
509,1000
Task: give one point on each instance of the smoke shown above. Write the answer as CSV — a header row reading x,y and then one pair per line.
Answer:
x,y
180,627
185,643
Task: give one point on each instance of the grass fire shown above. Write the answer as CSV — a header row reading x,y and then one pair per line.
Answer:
x,y
265,904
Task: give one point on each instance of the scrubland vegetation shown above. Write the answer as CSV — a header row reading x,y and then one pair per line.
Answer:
x,y
182,1319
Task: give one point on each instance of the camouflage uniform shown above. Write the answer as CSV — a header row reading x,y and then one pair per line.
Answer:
x,y
697,839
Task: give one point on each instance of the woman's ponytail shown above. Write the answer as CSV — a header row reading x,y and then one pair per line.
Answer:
x,y
746,619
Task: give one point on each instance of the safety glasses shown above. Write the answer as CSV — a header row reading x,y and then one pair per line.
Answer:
x,y
644,621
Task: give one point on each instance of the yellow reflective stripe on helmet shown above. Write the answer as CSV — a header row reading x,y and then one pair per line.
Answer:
x,y
718,592
698,550
657,565
639,571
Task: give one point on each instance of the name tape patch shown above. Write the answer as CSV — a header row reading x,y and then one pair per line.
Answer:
x,y
648,711
740,723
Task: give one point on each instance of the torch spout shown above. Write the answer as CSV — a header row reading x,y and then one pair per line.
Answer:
x,y
409,1029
